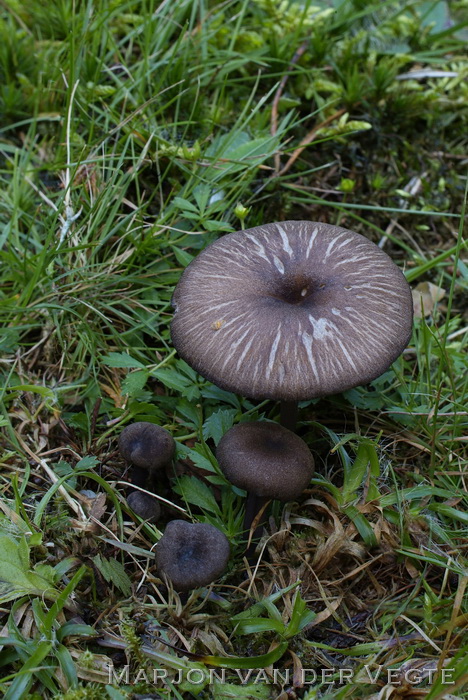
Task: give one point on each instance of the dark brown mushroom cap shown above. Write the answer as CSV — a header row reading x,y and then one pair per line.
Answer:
x,y
265,459
291,311
146,445
191,555
144,505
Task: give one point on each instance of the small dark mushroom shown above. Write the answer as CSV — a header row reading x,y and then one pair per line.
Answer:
x,y
267,460
291,311
191,555
144,505
147,447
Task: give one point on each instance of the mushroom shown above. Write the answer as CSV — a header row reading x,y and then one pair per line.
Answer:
x,y
191,555
267,460
291,311
147,447
144,505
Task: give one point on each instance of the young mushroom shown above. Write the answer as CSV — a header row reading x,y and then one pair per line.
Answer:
x,y
291,311
144,505
267,460
147,448
191,555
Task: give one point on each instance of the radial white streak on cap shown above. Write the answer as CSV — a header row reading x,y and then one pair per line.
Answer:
x,y
278,264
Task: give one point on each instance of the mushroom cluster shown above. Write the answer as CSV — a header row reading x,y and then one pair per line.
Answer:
x,y
147,448
287,311
188,555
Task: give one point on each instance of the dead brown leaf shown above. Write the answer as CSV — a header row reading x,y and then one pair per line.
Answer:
x,y
425,298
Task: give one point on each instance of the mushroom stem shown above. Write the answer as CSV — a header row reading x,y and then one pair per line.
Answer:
x,y
139,477
288,414
253,506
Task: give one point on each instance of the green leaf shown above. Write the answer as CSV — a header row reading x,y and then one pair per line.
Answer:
x,y
146,411
182,256
121,359
189,411
357,650
185,205
47,572
173,379
197,493
75,629
200,460
210,391
134,382
213,225
449,512
202,195
414,493
300,616
9,341
35,389
78,420
25,677
62,599
16,577
456,678
63,468
445,562
239,153
365,398
266,603
66,664
257,625
88,462
218,423
355,475
435,13
247,661
114,572
363,526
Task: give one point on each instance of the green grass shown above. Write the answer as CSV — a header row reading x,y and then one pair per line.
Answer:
x,y
132,134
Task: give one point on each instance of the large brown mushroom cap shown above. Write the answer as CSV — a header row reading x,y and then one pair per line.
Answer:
x,y
191,555
265,459
146,445
291,311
